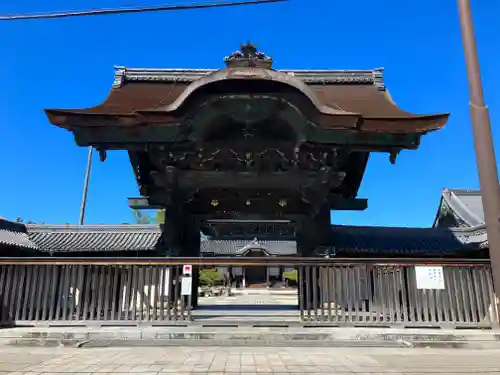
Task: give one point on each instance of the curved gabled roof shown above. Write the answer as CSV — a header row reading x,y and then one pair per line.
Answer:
x,y
335,93
463,210
466,206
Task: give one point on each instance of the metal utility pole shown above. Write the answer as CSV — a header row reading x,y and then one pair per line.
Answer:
x,y
85,187
483,143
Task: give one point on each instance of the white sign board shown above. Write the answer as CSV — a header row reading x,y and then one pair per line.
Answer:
x,y
187,269
429,277
186,285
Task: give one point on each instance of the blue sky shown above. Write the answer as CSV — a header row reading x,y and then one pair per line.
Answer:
x,y
68,63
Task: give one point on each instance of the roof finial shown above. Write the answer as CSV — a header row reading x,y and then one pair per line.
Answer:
x,y
248,56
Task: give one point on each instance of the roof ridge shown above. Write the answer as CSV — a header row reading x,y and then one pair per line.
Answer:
x,y
464,191
453,230
91,227
339,76
121,68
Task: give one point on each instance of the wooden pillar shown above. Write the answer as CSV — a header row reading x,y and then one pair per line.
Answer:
x,y
322,226
175,218
303,249
313,232
173,230
191,248
243,277
187,244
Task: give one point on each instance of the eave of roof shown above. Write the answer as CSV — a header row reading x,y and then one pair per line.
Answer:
x,y
350,239
75,238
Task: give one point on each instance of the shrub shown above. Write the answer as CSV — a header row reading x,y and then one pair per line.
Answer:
x,y
209,277
291,275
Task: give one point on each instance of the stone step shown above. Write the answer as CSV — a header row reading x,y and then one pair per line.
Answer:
x,y
229,336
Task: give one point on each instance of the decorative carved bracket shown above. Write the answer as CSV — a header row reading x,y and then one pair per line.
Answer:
x,y
393,155
102,155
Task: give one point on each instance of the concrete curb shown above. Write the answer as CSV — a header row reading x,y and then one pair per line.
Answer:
x,y
201,336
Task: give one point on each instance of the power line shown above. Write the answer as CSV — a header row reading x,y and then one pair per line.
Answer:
x,y
141,9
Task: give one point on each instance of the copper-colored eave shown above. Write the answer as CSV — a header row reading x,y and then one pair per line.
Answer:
x,y
69,118
416,124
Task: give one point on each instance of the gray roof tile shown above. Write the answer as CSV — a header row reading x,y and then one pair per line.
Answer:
x,y
85,238
393,240
241,247
95,238
345,239
14,234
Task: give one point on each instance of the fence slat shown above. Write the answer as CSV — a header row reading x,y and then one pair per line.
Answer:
x,y
79,292
163,279
27,293
20,295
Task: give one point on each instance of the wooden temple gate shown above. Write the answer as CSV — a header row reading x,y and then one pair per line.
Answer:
x,y
353,292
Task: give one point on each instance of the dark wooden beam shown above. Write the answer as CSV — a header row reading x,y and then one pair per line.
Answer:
x,y
107,136
337,203
346,204
263,206
250,216
142,203
246,180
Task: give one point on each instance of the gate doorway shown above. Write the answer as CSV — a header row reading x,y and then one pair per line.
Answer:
x,y
255,276
251,296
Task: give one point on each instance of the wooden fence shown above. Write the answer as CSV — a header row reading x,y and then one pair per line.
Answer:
x,y
355,292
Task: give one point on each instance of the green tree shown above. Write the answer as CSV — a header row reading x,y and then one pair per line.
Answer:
x,y
209,277
160,217
141,218
291,275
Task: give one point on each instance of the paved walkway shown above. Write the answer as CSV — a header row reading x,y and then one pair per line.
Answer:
x,y
246,361
252,297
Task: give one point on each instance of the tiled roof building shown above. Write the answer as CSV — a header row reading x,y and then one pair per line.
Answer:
x,y
458,230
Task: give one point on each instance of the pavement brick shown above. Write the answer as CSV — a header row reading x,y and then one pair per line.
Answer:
x,y
245,361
